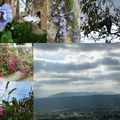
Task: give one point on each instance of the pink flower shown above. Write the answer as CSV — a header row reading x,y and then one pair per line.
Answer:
x,y
1,60
1,111
22,70
1,75
6,50
11,63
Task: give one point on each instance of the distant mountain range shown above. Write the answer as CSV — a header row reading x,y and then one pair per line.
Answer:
x,y
85,102
70,94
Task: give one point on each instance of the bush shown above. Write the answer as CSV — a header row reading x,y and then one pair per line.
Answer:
x,y
15,59
16,109
21,33
39,38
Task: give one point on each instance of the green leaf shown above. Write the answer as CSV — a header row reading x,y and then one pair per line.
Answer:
x,y
6,37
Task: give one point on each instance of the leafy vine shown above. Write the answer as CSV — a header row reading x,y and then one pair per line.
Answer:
x,y
63,16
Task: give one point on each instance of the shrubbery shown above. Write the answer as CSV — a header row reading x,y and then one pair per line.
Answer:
x,y
20,33
18,110
15,59
14,109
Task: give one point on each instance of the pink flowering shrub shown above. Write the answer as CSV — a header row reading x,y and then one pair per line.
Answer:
x,y
15,60
1,111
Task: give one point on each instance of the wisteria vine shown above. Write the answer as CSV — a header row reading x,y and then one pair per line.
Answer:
x,y
63,16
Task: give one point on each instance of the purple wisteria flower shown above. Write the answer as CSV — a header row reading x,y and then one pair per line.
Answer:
x,y
63,18
5,15
62,14
54,12
53,2
61,5
55,20
63,28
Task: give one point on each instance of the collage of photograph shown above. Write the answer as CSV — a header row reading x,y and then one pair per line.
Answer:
x,y
59,59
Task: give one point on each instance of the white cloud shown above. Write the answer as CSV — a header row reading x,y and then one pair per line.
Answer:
x,y
79,66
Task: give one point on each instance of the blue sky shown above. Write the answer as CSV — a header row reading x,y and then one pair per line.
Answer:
x,y
76,68
22,90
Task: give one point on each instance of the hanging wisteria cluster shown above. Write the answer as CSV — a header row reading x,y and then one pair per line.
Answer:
x,y
63,16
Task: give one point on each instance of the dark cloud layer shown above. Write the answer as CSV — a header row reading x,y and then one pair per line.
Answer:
x,y
85,67
109,61
73,47
61,67
65,80
104,65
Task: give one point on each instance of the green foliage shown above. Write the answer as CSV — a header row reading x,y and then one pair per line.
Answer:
x,y
6,37
36,38
94,12
18,110
21,33
69,4
66,8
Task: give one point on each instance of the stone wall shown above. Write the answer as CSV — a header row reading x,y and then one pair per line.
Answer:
x,y
42,8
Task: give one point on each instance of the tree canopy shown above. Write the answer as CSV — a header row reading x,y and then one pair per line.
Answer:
x,y
100,20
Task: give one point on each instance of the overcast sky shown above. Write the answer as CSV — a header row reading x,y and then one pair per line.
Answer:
x,y
113,38
74,68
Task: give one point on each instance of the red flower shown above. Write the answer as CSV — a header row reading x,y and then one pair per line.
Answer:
x,y
11,63
22,70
